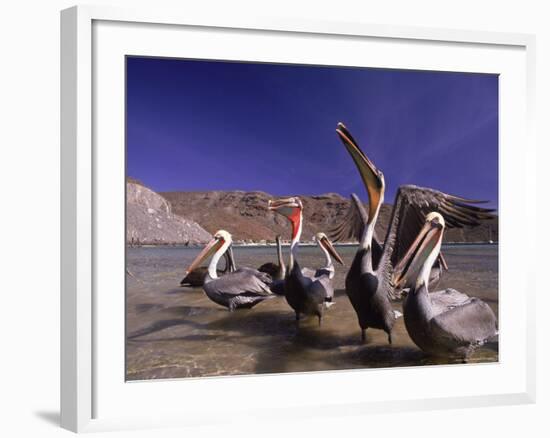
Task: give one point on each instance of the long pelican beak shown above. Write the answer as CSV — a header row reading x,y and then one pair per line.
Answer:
x,y
284,206
409,267
291,208
231,259
327,244
213,246
371,176
443,262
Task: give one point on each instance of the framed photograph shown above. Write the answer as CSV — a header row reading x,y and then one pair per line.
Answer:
x,y
257,208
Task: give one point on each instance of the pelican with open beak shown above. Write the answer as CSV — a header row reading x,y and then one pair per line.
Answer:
x,y
243,288
369,293
368,282
308,293
454,331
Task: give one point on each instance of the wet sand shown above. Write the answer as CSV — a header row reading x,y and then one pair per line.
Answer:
x,y
175,332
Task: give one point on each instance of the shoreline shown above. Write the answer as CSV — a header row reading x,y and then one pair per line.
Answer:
x,y
286,245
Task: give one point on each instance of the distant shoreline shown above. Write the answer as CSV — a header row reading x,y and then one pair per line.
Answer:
x,y
286,245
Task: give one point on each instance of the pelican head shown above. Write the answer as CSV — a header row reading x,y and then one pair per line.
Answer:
x,y
324,242
218,245
286,206
371,176
416,264
291,208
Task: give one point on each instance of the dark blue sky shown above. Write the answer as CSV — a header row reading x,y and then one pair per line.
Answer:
x,y
202,125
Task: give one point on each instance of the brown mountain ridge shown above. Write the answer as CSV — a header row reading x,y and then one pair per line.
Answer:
x,y
246,217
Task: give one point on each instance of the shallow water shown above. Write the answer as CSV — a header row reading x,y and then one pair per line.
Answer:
x,y
175,332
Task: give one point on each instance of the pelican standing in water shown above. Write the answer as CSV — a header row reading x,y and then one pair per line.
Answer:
x,y
324,243
240,289
368,282
307,295
352,228
263,276
276,271
326,273
454,331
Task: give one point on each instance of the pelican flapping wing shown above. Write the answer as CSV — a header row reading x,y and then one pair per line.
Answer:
x,y
352,226
413,203
353,223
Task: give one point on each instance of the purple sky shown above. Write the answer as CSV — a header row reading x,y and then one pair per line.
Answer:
x,y
202,125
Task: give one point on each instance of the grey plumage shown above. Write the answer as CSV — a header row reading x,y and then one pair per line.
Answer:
x,y
305,292
323,279
240,289
197,277
276,271
445,323
370,285
352,227
413,203
321,286
263,276
456,330
306,295
446,299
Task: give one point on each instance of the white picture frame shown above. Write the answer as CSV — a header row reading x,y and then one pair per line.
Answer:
x,y
85,375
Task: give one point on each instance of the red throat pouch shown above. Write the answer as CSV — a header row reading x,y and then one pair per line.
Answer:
x,y
295,219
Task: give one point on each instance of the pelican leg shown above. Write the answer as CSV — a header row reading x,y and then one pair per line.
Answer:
x,y
466,357
389,338
363,335
319,316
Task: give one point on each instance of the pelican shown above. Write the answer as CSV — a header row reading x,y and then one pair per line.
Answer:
x,y
306,294
196,277
352,228
324,243
368,282
451,331
263,276
276,271
240,289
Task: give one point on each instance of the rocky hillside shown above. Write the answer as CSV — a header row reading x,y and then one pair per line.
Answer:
x,y
150,220
246,217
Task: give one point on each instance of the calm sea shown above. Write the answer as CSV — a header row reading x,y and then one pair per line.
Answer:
x,y
178,332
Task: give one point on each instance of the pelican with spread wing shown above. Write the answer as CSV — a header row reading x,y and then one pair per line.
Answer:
x,y
369,284
351,228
